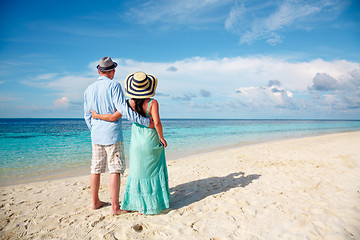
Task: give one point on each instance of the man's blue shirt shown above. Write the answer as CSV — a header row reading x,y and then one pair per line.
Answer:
x,y
105,96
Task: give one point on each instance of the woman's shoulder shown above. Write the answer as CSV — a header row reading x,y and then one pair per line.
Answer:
x,y
154,102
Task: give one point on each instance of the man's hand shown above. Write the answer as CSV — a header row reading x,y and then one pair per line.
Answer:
x,y
94,114
151,125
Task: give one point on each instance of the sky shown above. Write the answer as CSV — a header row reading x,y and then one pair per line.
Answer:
x,y
218,59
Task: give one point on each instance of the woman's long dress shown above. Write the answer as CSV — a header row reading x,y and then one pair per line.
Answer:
x,y
147,187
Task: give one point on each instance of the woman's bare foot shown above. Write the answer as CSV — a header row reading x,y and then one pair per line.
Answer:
x,y
100,205
118,212
139,213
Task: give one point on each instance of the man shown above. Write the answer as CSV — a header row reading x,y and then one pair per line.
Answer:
x,y
105,97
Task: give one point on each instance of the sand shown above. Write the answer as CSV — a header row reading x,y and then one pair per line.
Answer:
x,y
306,188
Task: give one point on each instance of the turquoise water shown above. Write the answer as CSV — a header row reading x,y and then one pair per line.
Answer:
x,y
36,147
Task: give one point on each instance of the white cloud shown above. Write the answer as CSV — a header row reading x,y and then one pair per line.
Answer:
x,y
47,76
266,96
323,82
253,21
341,93
61,103
236,16
72,86
185,12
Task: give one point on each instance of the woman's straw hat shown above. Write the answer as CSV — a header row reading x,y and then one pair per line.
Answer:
x,y
140,85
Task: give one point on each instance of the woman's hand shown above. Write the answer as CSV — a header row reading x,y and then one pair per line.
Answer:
x,y
94,114
163,142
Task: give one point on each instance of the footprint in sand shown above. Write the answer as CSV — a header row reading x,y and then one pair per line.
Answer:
x,y
97,221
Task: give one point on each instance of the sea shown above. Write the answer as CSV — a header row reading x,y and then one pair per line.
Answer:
x,y
44,149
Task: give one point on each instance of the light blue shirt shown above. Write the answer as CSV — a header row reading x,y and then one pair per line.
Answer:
x,y
105,96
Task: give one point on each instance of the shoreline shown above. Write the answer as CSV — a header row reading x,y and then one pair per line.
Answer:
x,y
84,169
303,188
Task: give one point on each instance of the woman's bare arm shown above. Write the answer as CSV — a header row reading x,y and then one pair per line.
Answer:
x,y
107,117
157,122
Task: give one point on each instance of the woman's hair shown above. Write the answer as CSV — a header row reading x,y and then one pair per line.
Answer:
x,y
139,106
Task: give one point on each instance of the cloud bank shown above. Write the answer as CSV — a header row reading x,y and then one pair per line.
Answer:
x,y
230,85
342,93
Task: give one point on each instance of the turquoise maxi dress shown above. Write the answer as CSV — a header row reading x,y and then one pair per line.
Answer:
x,y
147,187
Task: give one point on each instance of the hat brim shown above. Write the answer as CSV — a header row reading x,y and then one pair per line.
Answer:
x,y
106,69
146,90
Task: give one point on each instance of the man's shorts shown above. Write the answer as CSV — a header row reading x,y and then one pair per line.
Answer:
x,y
112,154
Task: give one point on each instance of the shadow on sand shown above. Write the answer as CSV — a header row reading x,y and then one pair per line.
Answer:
x,y
187,193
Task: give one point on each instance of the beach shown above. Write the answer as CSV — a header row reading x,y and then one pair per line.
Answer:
x,y
302,188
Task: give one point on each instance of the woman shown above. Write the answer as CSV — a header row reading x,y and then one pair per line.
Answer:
x,y
147,188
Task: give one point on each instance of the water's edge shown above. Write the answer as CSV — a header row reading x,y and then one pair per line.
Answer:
x,y
84,169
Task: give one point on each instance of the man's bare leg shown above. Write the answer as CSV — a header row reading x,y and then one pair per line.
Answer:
x,y
95,185
115,181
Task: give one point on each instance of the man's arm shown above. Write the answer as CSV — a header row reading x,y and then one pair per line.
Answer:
x,y
125,110
87,114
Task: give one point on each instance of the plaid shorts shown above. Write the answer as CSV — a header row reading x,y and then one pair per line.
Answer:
x,y
113,154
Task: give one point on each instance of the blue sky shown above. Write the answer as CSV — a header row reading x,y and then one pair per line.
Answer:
x,y
213,59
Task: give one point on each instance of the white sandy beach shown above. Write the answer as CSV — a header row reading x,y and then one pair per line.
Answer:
x,y
306,188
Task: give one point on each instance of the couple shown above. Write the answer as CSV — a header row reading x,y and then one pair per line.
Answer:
x,y
147,189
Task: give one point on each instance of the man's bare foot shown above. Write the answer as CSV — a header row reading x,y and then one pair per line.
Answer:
x,y
100,205
118,212
139,213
